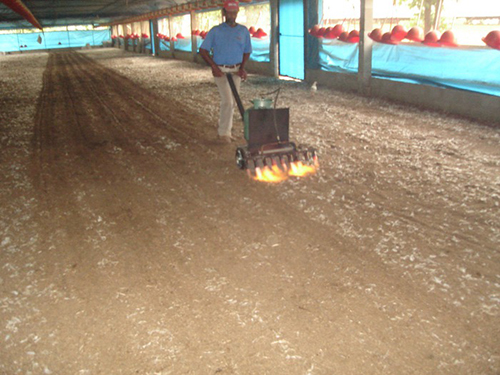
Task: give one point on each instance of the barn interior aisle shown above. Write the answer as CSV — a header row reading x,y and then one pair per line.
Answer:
x,y
131,243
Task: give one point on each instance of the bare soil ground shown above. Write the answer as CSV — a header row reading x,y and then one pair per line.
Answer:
x,y
131,244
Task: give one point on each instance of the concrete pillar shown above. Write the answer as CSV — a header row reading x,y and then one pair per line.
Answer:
x,y
154,36
194,39
171,33
273,47
311,9
141,39
365,48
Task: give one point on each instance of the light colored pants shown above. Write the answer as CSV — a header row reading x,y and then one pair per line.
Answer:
x,y
227,102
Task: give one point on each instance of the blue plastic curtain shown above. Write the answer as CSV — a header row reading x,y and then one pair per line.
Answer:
x,y
164,45
53,40
473,69
199,41
260,50
291,38
183,44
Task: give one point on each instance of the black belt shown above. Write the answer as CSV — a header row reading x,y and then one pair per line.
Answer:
x,y
229,66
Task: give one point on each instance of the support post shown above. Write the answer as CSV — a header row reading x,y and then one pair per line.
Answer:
x,y
154,36
365,48
273,47
171,33
67,33
194,38
312,11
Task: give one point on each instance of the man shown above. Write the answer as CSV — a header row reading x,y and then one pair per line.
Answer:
x,y
231,46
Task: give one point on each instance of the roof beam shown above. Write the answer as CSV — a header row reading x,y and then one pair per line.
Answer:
x,y
19,7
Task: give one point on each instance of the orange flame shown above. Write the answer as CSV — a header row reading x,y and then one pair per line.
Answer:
x,y
298,169
275,174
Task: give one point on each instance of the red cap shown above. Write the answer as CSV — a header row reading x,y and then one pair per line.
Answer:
x,y
231,5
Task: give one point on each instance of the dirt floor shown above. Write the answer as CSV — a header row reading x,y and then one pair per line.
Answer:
x,y
131,244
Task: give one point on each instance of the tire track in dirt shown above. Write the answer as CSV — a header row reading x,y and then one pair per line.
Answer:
x,y
43,139
141,101
149,124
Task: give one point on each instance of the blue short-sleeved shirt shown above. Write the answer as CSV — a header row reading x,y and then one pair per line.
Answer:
x,y
228,43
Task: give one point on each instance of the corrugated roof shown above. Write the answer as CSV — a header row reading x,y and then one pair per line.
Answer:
x,y
52,13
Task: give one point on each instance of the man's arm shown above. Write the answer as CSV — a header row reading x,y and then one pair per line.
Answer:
x,y
215,69
242,72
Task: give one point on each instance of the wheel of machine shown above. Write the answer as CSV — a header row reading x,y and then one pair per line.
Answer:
x,y
240,158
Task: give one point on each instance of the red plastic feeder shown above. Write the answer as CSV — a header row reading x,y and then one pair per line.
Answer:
x,y
179,36
431,39
251,30
353,37
321,32
338,29
398,33
329,33
375,35
448,39
388,39
259,34
492,39
343,36
314,30
415,34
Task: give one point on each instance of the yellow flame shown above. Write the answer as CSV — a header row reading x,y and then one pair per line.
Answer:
x,y
298,169
269,174
275,174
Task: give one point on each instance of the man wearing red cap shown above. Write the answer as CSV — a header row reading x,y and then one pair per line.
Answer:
x,y
231,47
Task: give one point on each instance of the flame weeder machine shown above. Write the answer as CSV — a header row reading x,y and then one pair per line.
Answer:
x,y
266,133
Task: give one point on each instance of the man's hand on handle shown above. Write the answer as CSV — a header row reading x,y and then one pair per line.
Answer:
x,y
243,74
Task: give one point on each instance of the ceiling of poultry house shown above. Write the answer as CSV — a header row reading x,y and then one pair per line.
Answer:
x,y
51,13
